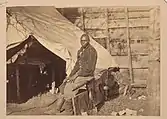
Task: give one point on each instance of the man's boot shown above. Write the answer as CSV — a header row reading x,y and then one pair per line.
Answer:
x,y
59,104
68,108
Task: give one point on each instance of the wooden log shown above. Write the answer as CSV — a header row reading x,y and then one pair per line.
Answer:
x,y
116,9
131,9
114,23
126,90
132,15
137,85
132,27
139,9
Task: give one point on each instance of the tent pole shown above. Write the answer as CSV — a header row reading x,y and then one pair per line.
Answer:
x,y
18,82
128,46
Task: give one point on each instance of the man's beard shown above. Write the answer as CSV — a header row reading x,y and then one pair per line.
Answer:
x,y
85,45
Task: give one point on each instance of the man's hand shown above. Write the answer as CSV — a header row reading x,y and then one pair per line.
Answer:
x,y
71,80
65,80
68,79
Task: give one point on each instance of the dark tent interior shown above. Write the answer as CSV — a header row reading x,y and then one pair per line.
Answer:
x,y
35,69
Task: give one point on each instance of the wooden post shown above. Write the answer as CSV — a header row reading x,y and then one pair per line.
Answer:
x,y
53,81
108,39
73,105
83,19
30,78
18,83
153,82
128,45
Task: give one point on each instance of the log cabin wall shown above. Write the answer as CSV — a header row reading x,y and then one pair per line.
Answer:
x,y
107,25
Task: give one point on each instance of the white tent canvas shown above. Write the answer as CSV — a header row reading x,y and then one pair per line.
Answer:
x,y
54,32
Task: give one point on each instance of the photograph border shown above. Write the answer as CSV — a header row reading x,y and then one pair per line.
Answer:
x,y
87,3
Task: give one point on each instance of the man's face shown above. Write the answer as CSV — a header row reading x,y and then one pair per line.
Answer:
x,y
84,41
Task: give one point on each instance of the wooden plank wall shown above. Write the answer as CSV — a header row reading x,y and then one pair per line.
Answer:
x,y
107,26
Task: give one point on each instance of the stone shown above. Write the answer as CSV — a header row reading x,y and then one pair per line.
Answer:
x,y
114,114
130,112
142,97
123,112
141,110
84,113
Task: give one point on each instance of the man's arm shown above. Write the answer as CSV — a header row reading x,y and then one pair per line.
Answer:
x,y
76,66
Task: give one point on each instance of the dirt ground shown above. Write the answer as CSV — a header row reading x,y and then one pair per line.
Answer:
x,y
41,104
136,102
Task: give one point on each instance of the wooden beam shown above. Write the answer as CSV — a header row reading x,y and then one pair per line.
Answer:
x,y
140,54
132,17
73,17
94,12
95,29
134,67
18,83
121,10
100,37
120,27
128,45
139,10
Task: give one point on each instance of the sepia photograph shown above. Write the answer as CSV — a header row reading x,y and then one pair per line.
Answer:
x,y
86,61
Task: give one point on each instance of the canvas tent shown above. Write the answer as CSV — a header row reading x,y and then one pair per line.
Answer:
x,y
53,31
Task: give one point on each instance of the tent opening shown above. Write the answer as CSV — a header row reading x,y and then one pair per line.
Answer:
x,y
33,72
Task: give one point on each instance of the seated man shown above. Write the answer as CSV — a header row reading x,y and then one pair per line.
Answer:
x,y
83,71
